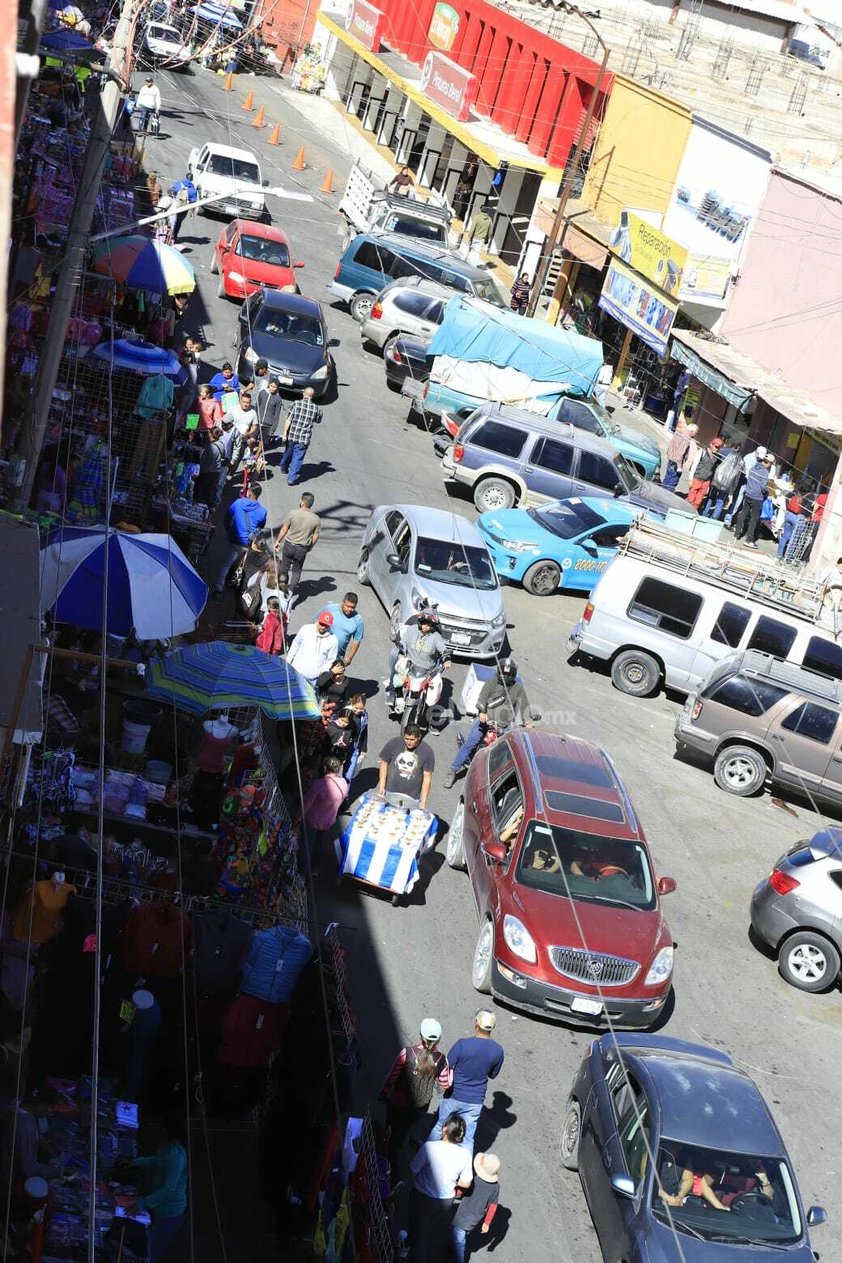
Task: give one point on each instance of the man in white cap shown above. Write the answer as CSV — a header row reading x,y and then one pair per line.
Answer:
x,y
473,1061
409,1085
148,102
479,1205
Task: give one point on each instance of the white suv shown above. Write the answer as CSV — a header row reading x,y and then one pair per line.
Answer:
x,y
412,305
235,173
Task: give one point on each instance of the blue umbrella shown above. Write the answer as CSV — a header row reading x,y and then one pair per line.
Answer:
x,y
152,588
217,675
65,42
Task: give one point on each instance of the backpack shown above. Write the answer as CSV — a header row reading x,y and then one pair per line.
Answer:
x,y
182,197
419,1089
728,471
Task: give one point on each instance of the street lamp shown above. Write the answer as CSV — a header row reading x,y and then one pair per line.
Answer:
x,y
202,201
573,163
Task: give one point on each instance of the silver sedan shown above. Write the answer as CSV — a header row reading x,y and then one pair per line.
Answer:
x,y
412,554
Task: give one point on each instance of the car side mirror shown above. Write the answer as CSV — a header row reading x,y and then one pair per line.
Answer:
x,y
619,490
335,342
666,885
298,263
536,714
589,547
624,1185
394,562
816,1216
496,852
265,184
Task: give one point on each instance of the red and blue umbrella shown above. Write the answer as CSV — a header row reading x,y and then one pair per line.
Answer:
x,y
141,263
222,676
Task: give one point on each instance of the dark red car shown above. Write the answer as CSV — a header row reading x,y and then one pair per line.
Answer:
x,y
570,921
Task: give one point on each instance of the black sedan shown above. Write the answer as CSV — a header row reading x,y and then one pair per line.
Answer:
x,y
289,332
680,1158
405,357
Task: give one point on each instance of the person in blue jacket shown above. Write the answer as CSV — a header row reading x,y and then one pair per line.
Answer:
x,y
167,1200
183,194
225,382
245,517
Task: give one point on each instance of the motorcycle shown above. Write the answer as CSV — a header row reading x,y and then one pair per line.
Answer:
x,y
417,693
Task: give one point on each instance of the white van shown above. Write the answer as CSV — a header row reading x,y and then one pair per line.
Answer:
x,y
669,606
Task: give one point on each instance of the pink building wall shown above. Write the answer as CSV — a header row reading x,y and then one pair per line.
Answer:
x,y
785,310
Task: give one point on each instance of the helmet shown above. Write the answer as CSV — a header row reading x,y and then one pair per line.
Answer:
x,y
427,615
507,670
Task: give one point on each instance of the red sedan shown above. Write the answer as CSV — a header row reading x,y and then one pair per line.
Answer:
x,y
249,255
568,902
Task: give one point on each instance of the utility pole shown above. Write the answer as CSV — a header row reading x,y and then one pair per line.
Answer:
x,y
572,165
73,265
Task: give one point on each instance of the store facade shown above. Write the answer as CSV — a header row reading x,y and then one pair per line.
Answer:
x,y
478,104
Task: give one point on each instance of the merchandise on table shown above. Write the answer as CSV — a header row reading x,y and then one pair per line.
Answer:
x,y
383,842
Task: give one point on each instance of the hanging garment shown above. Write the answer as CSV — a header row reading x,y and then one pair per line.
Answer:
x,y
251,1032
43,908
274,963
87,497
156,396
157,938
220,944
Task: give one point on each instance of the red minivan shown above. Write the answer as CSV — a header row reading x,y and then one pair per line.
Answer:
x,y
568,901
248,255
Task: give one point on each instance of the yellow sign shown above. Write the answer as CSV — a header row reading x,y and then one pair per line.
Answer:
x,y
705,278
649,251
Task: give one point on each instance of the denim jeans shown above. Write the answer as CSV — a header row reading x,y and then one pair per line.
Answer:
x,y
672,476
715,506
292,460
233,552
471,743
429,1227
160,1235
791,526
459,1242
470,1111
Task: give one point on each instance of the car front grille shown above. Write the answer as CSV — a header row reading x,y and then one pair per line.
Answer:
x,y
456,622
594,967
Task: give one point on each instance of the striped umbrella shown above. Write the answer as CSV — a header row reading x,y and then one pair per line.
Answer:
x,y
220,676
141,263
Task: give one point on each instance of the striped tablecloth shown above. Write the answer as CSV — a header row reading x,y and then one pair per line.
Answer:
x,y
383,842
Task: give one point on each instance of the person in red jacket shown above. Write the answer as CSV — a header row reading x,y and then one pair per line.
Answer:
x,y
272,635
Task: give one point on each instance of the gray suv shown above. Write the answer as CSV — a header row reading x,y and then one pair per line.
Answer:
x,y
797,911
509,456
758,717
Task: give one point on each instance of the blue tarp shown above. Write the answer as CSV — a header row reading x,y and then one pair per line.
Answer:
x,y
65,41
481,334
218,13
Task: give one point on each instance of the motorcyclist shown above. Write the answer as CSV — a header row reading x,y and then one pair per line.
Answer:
x,y
502,702
422,643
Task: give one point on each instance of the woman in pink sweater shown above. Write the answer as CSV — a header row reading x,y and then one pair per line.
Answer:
x,y
322,803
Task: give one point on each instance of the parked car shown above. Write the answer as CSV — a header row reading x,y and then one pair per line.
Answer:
x,y
165,46
757,717
412,554
568,902
670,606
640,450
412,305
248,255
509,456
289,332
563,544
234,174
405,359
645,1109
797,910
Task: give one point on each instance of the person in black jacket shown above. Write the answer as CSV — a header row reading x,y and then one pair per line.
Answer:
x,y
502,702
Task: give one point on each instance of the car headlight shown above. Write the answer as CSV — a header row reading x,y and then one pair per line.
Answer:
x,y
289,289
250,355
520,546
519,940
320,373
661,967
236,276
499,620
417,598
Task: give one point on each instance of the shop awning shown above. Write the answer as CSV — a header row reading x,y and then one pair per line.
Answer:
x,y
21,672
738,378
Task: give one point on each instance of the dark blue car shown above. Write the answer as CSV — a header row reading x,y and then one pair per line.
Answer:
x,y
680,1158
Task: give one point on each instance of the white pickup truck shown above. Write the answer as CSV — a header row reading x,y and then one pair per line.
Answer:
x,y
234,173
368,206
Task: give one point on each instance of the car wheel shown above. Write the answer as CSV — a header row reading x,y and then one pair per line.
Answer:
x,y
214,267
454,851
360,306
494,494
483,958
543,579
740,770
363,575
809,962
395,621
220,288
571,1130
636,673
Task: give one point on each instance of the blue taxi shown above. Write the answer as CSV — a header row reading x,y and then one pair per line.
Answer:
x,y
562,544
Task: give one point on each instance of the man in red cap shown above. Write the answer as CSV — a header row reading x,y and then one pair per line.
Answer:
x,y
314,648
703,473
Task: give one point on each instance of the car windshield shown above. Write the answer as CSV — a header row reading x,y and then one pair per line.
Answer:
x,y
262,250
420,229
725,1196
451,562
234,168
566,518
585,866
628,474
293,327
488,291
167,33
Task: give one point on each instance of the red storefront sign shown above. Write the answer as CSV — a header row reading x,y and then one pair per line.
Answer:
x,y
365,23
448,85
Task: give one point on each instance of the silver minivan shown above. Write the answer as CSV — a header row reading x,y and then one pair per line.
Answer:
x,y
669,607
413,305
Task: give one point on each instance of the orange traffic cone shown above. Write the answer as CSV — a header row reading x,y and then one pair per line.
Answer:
x,y
248,104
257,121
275,138
229,82
326,185
299,164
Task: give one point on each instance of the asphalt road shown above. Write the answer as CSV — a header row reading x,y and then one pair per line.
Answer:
x,y
415,961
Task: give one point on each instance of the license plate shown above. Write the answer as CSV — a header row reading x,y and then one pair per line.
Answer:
x,y
580,1005
460,638
285,381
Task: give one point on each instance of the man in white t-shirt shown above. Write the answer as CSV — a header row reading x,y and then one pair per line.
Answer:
x,y
244,418
314,648
438,1168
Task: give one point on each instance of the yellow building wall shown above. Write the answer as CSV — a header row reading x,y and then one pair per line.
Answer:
x,y
638,151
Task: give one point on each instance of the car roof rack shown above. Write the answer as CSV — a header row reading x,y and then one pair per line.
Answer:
x,y
800,679
733,569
